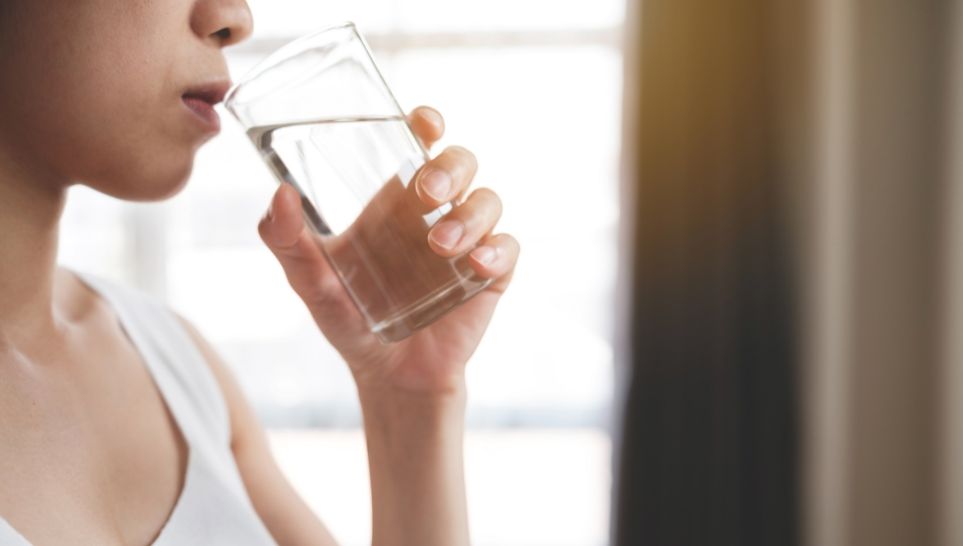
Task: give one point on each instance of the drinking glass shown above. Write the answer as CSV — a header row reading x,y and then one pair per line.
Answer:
x,y
324,121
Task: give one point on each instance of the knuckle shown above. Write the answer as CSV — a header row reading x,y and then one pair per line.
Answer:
x,y
311,293
464,154
426,121
505,241
262,229
436,116
490,197
429,112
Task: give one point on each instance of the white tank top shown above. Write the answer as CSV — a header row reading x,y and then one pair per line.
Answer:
x,y
213,508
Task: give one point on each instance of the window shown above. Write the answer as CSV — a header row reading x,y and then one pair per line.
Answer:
x,y
533,87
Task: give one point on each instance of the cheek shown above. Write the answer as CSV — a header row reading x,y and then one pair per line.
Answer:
x,y
94,103
122,108
121,137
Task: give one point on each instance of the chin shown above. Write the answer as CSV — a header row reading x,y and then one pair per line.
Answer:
x,y
148,184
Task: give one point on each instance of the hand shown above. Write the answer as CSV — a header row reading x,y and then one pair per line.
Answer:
x,y
432,360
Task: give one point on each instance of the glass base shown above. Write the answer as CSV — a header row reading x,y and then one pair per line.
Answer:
x,y
429,309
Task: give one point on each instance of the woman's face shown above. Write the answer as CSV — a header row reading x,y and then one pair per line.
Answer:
x,y
113,93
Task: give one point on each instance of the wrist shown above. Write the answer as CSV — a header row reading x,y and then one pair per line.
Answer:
x,y
425,383
383,401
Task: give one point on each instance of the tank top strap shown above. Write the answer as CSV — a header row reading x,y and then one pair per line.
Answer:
x,y
178,367
213,508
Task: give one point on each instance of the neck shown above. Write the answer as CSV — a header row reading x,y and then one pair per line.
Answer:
x,y
30,209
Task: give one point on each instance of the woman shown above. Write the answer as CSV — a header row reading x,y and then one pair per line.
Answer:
x,y
119,424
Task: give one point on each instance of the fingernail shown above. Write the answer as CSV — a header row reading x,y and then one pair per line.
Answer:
x,y
270,213
437,184
485,255
447,234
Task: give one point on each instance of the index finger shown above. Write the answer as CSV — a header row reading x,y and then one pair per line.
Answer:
x,y
427,125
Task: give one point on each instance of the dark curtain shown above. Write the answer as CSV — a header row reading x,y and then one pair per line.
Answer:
x,y
710,429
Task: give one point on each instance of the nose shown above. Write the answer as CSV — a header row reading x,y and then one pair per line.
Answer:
x,y
226,22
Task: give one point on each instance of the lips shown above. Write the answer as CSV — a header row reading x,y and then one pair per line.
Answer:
x,y
200,100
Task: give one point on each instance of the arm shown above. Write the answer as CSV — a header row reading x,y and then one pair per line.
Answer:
x,y
415,460
414,457
282,510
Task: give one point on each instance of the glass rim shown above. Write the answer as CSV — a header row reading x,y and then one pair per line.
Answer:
x,y
288,50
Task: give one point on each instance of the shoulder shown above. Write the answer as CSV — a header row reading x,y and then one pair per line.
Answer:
x,y
184,363
286,515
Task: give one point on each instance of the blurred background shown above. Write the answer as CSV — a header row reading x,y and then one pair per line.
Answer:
x,y
741,289
533,88
796,308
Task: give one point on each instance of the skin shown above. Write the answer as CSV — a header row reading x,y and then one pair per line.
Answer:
x,y
86,435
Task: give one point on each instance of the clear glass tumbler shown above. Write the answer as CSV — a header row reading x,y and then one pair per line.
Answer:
x,y
324,120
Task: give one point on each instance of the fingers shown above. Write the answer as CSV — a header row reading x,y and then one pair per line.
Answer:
x,y
468,227
281,226
495,257
284,232
445,176
427,124
449,174
459,230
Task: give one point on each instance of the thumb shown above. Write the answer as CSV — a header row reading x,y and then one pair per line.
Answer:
x,y
282,225
296,247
